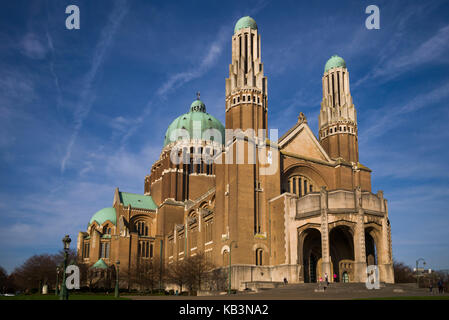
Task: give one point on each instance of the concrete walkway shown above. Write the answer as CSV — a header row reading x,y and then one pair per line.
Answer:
x,y
336,291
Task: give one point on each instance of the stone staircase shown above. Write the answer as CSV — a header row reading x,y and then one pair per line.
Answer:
x,y
333,291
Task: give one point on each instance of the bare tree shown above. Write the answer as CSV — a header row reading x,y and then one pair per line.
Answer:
x,y
403,273
36,271
217,279
3,280
177,273
197,270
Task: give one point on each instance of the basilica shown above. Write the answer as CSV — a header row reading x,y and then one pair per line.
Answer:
x,y
295,207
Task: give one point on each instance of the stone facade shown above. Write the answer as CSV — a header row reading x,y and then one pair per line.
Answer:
x,y
313,214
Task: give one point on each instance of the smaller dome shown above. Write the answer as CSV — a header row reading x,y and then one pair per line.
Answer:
x,y
198,105
245,22
104,215
334,62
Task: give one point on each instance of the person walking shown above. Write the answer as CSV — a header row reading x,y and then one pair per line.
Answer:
x,y
335,277
440,286
326,279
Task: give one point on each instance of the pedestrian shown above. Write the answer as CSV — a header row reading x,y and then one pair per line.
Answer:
x,y
285,281
326,278
335,277
430,287
440,286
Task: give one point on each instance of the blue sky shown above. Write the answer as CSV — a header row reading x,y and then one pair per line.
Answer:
x,y
85,111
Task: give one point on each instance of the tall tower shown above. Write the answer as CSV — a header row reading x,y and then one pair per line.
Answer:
x,y
246,87
338,118
242,192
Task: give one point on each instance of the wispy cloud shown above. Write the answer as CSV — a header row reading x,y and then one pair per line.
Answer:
x,y
53,72
179,79
432,50
33,47
87,95
390,116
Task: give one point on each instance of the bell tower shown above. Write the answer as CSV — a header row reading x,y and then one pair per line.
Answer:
x,y
246,87
338,117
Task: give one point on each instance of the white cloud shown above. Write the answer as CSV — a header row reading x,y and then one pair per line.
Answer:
x,y
213,52
33,47
87,95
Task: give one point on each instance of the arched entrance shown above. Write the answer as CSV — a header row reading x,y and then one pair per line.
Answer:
x,y
311,254
341,251
370,246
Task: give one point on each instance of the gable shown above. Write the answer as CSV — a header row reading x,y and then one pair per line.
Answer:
x,y
300,140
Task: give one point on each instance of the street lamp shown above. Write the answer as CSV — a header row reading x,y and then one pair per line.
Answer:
x,y
417,271
117,289
57,281
230,250
64,292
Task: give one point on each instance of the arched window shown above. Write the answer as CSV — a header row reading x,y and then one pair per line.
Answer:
x,y
225,257
300,185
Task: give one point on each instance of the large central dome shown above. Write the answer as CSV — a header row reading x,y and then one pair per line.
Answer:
x,y
197,113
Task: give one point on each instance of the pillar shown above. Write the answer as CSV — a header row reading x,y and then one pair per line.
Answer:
x,y
359,240
325,258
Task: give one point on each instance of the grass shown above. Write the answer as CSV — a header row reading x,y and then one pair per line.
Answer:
x,y
71,297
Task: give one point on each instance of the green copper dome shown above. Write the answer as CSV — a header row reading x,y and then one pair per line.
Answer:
x,y
245,22
334,62
104,215
198,116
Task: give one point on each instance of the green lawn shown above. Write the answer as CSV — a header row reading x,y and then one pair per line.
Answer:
x,y
410,298
71,297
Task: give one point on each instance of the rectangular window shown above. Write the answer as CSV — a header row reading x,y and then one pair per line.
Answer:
x,y
86,250
208,227
104,250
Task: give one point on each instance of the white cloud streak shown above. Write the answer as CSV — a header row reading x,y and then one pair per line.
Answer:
x,y
390,116
87,95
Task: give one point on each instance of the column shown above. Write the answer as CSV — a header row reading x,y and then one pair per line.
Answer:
x,y
359,240
325,258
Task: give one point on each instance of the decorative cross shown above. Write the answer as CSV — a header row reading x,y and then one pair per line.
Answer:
x,y
198,95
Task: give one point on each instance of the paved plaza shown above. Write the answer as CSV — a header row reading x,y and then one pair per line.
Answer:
x,y
336,291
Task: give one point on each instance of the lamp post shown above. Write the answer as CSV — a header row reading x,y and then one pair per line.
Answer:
x,y
117,289
57,281
64,292
230,250
417,271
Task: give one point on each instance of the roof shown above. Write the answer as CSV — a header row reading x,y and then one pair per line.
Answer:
x,y
245,22
104,215
100,264
137,201
334,62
